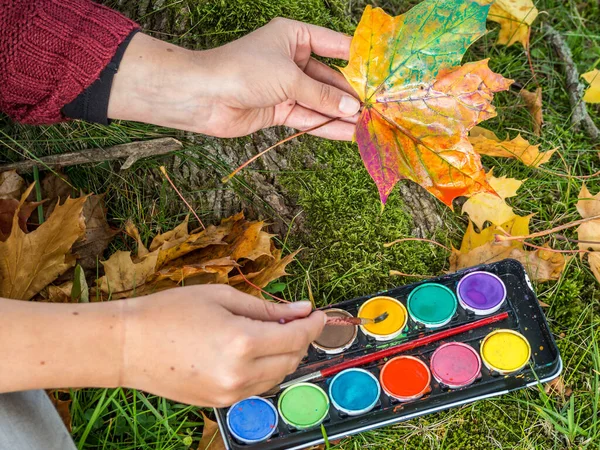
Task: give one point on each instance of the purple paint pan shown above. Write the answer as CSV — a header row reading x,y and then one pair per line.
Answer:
x,y
481,292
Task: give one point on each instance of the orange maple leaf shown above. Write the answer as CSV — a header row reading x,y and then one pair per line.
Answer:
x,y
419,103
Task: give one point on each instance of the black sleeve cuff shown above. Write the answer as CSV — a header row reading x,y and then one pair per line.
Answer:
x,y
92,104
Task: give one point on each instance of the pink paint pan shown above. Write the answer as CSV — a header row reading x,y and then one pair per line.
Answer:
x,y
455,364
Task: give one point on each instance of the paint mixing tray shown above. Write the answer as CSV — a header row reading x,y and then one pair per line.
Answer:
x,y
515,352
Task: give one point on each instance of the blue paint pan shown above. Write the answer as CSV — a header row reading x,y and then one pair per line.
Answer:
x,y
252,420
354,391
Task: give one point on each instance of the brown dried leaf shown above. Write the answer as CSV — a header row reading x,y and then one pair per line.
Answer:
x,y
63,407
274,270
557,387
8,209
594,262
29,262
221,267
59,294
211,435
98,233
11,185
485,142
533,102
171,238
588,205
55,187
123,274
133,232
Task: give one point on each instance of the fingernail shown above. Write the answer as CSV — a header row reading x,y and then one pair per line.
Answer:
x,y
325,318
301,305
349,105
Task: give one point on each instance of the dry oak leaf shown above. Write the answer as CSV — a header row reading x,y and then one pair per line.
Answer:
x,y
515,18
485,142
419,103
31,261
592,93
220,267
533,102
485,206
588,205
59,294
11,185
211,435
481,248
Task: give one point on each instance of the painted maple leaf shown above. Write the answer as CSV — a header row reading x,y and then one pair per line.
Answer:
x,y
419,103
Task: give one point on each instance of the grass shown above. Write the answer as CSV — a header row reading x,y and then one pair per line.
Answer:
x,y
345,256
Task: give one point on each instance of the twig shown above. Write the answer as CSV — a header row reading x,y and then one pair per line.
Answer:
x,y
283,141
166,175
580,115
402,274
575,241
389,244
553,250
260,289
132,151
508,237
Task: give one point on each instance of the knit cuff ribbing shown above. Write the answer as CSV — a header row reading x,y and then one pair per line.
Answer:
x,y
51,51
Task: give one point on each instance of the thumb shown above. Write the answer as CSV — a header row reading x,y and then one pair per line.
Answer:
x,y
324,98
257,309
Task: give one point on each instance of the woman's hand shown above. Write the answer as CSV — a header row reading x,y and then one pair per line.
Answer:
x,y
263,79
213,345
206,345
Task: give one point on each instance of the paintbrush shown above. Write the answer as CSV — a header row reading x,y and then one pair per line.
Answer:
x,y
355,320
376,356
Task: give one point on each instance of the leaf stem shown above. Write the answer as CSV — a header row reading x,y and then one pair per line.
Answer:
x,y
260,289
166,175
283,141
508,237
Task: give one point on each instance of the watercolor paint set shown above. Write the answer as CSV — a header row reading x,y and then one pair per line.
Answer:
x,y
446,341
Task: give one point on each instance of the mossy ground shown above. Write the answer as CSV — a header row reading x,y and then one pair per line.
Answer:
x,y
345,256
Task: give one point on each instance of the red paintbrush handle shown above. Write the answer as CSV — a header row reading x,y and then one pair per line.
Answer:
x,y
366,359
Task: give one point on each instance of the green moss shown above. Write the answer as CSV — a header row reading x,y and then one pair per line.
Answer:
x,y
348,228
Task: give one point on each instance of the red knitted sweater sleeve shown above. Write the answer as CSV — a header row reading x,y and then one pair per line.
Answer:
x,y
52,50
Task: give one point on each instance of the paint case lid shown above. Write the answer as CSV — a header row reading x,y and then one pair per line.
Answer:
x,y
252,420
354,391
481,292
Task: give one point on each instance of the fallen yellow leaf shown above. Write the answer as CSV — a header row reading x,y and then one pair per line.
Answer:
x,y
481,248
124,274
515,18
484,206
588,205
485,142
592,94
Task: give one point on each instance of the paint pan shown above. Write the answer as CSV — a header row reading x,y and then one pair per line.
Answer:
x,y
392,326
303,405
252,420
455,364
336,339
405,378
431,304
505,351
481,292
354,391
